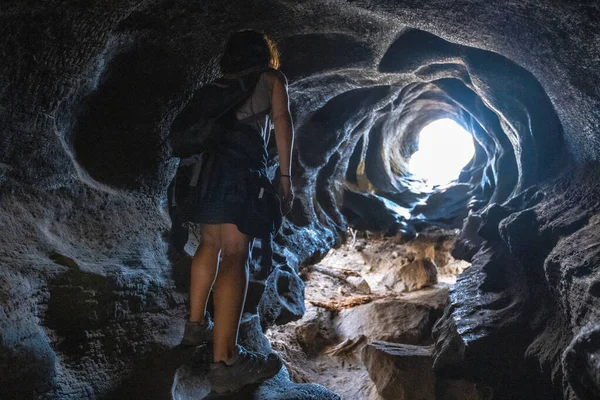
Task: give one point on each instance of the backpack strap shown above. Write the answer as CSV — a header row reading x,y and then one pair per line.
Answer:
x,y
246,81
247,85
256,117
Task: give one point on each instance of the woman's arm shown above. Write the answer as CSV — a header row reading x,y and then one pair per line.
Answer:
x,y
284,136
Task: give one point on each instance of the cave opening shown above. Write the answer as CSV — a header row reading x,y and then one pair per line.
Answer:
x,y
445,148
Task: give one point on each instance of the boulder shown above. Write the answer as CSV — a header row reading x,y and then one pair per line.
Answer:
x,y
400,371
283,298
414,276
446,389
581,363
397,321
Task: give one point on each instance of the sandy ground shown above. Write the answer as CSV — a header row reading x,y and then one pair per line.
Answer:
x,y
306,345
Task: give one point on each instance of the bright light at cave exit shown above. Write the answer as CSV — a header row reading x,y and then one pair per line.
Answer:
x,y
444,150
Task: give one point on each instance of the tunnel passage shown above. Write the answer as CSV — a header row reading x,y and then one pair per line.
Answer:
x,y
100,86
354,139
374,131
371,121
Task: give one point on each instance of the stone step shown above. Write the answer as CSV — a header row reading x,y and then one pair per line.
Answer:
x,y
394,319
405,372
400,371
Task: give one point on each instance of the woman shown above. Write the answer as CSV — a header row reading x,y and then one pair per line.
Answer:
x,y
226,227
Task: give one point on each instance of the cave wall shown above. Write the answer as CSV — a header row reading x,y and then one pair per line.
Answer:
x,y
524,318
92,296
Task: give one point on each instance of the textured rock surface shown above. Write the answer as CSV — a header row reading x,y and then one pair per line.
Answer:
x,y
283,299
398,320
461,390
414,276
312,349
92,299
522,318
400,371
191,383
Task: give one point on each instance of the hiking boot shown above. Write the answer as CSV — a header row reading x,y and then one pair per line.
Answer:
x,y
197,333
248,368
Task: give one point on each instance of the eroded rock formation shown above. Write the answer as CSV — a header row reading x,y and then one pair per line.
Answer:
x,y
92,295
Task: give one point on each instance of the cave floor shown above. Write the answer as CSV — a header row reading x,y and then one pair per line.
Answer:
x,y
343,315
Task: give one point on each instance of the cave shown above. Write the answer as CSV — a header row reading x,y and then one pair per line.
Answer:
x,y
93,296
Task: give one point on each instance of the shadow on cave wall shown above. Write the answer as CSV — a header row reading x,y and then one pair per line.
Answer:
x,y
118,134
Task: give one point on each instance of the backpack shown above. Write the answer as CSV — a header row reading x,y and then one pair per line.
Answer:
x,y
203,125
207,115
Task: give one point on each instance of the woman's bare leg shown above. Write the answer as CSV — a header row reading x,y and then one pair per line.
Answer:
x,y
204,270
230,290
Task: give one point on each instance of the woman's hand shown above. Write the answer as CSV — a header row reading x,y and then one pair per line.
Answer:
x,y
286,194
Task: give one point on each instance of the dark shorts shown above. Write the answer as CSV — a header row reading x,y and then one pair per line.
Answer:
x,y
223,193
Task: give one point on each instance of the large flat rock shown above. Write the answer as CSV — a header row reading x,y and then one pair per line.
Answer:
x,y
393,319
400,371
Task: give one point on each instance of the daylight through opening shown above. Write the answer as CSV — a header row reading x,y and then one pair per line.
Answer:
x,y
445,148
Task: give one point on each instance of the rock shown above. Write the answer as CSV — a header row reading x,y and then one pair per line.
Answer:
x,y
468,241
446,389
398,321
414,276
581,363
434,243
367,211
307,334
283,297
528,305
400,371
485,323
359,283
315,330
281,388
190,382
450,347
444,207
